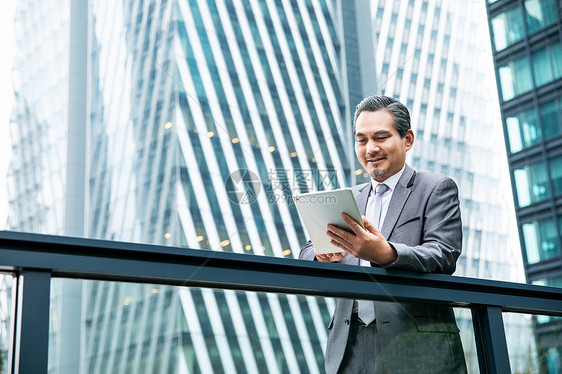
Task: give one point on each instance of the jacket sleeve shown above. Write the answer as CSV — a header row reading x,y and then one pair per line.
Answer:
x,y
307,252
440,239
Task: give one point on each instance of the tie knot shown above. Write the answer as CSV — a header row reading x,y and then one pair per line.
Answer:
x,y
381,189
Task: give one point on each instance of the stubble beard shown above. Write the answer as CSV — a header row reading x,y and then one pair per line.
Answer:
x,y
377,174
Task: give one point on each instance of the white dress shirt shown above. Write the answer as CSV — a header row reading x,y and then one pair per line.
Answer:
x,y
391,183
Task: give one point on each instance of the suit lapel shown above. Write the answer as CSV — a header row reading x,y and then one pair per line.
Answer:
x,y
362,196
399,197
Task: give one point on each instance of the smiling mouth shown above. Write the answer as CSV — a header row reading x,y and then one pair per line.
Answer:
x,y
375,160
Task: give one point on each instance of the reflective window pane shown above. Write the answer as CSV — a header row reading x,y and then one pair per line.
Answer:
x,y
539,14
514,134
523,130
549,240
539,356
532,184
542,69
539,177
541,240
507,28
464,322
531,239
548,330
555,166
522,185
515,78
550,118
144,328
547,64
7,308
556,54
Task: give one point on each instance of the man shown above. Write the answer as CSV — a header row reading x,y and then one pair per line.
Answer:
x,y
412,222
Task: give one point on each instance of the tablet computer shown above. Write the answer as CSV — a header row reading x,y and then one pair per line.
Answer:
x,y
318,209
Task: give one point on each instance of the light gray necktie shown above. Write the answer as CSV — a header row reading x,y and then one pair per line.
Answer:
x,y
366,308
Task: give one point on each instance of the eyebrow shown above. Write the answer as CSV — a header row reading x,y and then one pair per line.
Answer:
x,y
377,133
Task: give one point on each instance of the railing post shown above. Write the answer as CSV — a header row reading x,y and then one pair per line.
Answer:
x,y
491,344
31,349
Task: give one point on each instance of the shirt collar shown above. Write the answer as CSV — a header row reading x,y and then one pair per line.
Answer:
x,y
391,181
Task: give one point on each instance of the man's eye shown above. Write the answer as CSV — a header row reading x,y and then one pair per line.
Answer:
x,y
360,140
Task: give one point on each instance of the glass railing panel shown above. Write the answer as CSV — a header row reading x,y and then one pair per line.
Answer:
x,y
148,328
7,314
464,322
534,343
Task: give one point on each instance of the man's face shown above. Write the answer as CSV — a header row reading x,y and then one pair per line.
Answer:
x,y
378,145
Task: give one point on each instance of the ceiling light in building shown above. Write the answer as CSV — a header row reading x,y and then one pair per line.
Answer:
x,y
168,125
211,134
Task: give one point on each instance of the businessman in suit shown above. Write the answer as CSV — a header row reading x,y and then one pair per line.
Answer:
x,y
412,222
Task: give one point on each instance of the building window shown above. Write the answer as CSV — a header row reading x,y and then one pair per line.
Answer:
x,y
555,166
523,130
547,64
507,28
550,118
551,282
541,240
531,184
515,78
539,14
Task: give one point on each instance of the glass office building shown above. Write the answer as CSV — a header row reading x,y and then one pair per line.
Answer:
x,y
202,119
526,38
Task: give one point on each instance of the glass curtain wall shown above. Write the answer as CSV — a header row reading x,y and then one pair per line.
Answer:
x,y
529,66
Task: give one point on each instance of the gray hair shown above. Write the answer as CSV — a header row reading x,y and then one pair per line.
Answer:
x,y
398,111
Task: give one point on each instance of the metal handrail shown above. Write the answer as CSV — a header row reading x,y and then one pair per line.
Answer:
x,y
38,258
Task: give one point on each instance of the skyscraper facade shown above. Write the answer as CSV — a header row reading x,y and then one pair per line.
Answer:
x,y
526,38
204,118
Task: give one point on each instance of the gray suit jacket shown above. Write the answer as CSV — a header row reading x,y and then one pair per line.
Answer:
x,y
423,224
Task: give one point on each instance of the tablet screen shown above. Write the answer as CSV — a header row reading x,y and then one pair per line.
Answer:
x,y
318,209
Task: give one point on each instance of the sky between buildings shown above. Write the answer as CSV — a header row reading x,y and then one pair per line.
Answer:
x,y
7,46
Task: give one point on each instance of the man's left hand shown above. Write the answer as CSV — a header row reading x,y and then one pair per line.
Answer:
x,y
365,243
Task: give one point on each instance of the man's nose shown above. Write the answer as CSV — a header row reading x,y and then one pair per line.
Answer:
x,y
372,147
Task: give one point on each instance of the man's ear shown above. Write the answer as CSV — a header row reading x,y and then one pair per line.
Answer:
x,y
409,139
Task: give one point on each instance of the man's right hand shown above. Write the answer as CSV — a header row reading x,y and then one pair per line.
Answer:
x,y
330,257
